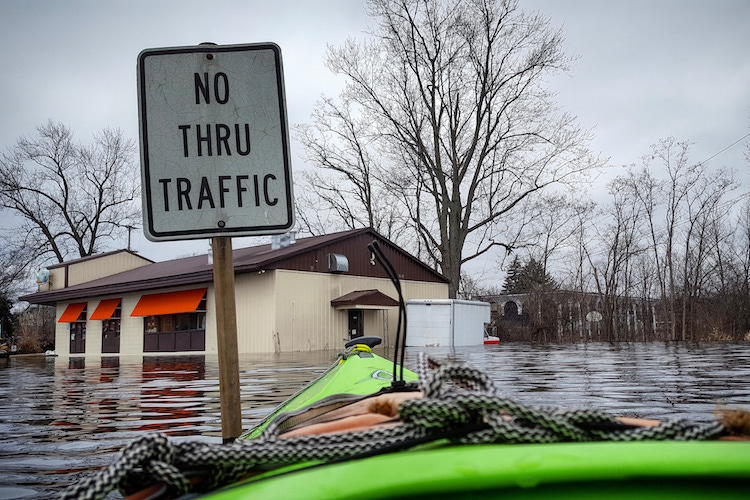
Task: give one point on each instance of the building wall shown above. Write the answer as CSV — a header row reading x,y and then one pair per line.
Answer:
x,y
305,320
254,300
131,327
90,269
56,280
277,311
62,331
94,331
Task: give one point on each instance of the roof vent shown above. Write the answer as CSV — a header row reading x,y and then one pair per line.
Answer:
x,y
338,263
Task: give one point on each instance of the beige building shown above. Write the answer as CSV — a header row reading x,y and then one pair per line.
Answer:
x,y
310,294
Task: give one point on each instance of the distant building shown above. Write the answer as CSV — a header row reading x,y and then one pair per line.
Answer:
x,y
309,294
572,316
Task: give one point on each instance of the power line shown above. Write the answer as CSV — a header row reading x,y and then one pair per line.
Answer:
x,y
728,147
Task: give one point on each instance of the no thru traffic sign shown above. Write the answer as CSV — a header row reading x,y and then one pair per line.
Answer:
x,y
214,142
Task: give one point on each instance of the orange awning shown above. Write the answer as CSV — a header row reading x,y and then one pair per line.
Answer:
x,y
105,309
169,303
72,312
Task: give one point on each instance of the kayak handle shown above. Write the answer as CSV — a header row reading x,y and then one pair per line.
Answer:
x,y
368,341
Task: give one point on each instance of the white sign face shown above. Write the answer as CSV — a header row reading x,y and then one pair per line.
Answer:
x,y
214,142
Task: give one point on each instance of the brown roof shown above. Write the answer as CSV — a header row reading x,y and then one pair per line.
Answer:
x,y
197,271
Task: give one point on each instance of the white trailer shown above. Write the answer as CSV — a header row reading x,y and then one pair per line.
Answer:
x,y
446,322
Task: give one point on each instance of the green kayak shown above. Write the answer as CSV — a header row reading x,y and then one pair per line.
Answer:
x,y
359,372
669,468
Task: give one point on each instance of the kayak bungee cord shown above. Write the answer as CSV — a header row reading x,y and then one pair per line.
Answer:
x,y
458,404
400,346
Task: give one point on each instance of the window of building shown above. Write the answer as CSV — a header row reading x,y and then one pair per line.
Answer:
x,y
184,331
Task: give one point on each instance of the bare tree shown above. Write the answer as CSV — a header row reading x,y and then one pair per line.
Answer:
x,y
36,329
646,190
66,198
620,241
12,266
665,198
733,307
702,209
554,226
352,195
576,270
680,202
460,121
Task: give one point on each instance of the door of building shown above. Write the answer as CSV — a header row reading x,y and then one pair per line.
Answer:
x,y
77,338
111,336
356,323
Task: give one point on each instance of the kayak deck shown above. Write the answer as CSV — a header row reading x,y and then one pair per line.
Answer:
x,y
663,469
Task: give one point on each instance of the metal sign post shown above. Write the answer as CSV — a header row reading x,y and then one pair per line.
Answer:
x,y
215,163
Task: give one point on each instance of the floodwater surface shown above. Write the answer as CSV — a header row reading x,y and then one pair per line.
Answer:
x,y
63,417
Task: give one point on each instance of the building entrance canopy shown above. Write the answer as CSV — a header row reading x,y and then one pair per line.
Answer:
x,y
364,299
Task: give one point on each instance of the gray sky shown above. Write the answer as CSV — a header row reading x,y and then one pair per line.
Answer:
x,y
646,70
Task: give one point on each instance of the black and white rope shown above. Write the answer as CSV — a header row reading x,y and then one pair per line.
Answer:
x,y
459,403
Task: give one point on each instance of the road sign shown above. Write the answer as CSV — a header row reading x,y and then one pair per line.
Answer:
x,y
214,142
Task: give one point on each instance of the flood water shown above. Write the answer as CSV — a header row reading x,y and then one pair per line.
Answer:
x,y
62,417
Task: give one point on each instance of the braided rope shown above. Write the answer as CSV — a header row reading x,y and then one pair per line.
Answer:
x,y
459,403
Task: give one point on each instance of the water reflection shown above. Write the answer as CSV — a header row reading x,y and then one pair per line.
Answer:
x,y
64,417
171,396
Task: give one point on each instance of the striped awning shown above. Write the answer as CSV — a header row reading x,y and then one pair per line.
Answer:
x,y
183,301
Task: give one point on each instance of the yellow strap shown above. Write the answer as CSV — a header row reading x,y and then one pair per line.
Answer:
x,y
359,348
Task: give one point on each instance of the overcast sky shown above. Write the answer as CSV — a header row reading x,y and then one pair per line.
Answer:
x,y
646,69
